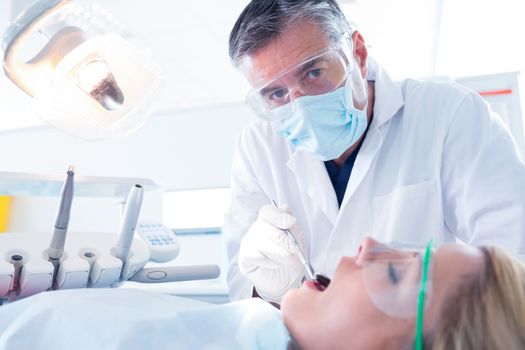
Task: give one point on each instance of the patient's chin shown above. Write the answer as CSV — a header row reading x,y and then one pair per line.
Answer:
x,y
289,304
295,315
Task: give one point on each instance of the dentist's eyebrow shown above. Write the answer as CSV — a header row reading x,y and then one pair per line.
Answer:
x,y
298,73
269,88
307,66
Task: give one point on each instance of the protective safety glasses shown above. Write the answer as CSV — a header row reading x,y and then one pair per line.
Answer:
x,y
418,344
320,73
392,278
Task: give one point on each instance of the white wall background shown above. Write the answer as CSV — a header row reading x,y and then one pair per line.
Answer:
x,y
184,149
400,34
481,37
420,38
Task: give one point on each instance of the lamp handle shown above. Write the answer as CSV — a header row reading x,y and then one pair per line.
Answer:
x,y
37,69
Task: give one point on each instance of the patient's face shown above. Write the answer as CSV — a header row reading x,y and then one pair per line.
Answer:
x,y
344,317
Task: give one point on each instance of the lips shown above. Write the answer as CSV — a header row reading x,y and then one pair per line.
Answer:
x,y
314,285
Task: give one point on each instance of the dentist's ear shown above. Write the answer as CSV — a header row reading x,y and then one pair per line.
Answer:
x,y
360,53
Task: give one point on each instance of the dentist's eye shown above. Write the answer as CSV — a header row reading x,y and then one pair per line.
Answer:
x,y
278,94
314,73
392,273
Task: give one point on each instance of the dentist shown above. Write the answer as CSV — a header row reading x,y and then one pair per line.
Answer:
x,y
352,153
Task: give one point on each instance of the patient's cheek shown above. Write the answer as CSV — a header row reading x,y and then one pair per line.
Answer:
x,y
289,303
294,308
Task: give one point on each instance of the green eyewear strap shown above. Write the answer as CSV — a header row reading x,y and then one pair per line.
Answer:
x,y
421,297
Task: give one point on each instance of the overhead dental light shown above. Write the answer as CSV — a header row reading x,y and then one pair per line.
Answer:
x,y
85,80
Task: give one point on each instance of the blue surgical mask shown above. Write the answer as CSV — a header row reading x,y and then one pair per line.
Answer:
x,y
325,125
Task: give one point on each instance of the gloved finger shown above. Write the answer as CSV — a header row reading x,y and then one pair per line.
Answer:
x,y
299,237
270,280
272,285
260,261
259,249
286,208
286,240
279,217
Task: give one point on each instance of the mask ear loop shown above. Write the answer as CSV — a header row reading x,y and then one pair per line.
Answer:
x,y
359,94
421,298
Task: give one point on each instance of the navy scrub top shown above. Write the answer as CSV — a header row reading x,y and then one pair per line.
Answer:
x,y
340,176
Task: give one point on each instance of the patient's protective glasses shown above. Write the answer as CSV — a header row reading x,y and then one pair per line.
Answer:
x,y
421,297
318,74
393,279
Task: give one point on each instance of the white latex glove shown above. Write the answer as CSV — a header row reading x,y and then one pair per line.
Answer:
x,y
268,256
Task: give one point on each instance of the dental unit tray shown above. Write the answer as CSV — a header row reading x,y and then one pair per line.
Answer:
x,y
88,262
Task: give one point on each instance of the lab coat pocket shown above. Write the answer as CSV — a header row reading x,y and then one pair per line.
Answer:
x,y
408,214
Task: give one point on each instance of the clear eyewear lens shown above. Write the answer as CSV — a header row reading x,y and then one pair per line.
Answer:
x,y
392,279
318,75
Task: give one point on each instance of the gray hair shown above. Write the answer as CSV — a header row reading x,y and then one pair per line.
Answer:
x,y
264,20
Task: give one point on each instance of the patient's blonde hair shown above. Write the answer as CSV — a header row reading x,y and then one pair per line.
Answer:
x,y
487,312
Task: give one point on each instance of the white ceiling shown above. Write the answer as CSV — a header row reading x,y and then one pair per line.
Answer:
x,y
188,38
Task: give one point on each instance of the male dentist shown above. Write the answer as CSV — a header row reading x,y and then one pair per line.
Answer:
x,y
349,153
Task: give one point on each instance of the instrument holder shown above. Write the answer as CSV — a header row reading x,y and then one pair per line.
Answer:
x,y
88,262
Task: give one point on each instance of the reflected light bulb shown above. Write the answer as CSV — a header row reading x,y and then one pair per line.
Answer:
x,y
96,80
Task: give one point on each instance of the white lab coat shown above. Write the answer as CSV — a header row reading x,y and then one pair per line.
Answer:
x,y
435,163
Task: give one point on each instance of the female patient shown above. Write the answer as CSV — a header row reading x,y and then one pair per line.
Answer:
x,y
455,297
475,299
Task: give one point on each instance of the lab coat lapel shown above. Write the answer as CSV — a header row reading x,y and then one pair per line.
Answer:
x,y
310,172
312,177
388,101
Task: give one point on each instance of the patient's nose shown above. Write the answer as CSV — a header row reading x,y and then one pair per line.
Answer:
x,y
364,248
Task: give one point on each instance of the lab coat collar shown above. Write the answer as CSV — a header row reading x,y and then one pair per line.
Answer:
x,y
388,101
313,178
388,97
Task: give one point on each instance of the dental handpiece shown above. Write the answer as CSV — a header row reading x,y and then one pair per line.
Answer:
x,y
56,247
129,222
318,278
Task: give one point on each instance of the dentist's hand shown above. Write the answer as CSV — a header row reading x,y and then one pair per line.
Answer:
x,y
268,256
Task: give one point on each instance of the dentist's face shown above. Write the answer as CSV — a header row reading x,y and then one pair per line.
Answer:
x,y
298,42
344,316
294,45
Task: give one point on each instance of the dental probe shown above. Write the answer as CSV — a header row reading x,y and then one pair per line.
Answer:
x,y
56,248
129,222
317,278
